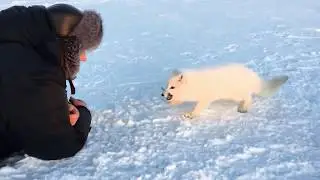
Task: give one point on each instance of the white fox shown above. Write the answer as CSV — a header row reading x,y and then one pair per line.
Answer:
x,y
233,82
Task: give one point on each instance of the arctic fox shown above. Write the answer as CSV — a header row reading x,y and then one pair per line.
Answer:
x,y
234,82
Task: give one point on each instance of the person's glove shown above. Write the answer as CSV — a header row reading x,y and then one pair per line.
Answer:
x,y
77,102
73,111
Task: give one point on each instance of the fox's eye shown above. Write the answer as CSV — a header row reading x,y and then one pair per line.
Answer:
x,y
172,87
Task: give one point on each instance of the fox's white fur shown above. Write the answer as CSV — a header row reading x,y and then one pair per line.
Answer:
x,y
233,82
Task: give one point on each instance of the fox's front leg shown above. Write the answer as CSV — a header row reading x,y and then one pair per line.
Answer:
x,y
245,104
200,106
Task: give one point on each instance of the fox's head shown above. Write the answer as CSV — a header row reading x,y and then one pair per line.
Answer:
x,y
174,88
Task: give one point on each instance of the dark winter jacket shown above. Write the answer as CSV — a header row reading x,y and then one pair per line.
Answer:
x,y
34,113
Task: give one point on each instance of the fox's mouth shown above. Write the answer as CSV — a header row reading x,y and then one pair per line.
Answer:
x,y
168,97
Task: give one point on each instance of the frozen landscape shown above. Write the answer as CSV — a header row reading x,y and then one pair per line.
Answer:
x,y
136,135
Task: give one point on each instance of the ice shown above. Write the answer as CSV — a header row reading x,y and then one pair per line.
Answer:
x,y
136,135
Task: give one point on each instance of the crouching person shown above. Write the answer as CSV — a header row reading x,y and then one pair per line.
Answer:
x,y
41,49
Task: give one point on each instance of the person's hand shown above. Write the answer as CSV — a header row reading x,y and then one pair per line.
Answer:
x,y
73,114
73,111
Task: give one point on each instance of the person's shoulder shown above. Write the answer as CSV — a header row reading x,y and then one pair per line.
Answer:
x,y
23,9
34,15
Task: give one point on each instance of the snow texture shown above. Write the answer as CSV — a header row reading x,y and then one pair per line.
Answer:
x,y
136,135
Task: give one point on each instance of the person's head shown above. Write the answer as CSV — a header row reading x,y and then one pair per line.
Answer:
x,y
80,31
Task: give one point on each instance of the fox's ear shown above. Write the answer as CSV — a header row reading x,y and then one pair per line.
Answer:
x,y
179,74
182,78
175,72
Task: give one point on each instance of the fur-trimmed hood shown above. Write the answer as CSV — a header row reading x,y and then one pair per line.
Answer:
x,y
89,30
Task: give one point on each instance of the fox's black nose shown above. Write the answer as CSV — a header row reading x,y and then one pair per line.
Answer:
x,y
169,97
162,94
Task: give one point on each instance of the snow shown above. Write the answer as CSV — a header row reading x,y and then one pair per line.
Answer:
x,y
136,135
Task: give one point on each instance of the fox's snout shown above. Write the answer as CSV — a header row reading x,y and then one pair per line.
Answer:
x,y
168,97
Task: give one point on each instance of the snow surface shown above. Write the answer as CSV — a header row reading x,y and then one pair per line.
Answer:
x,y
136,135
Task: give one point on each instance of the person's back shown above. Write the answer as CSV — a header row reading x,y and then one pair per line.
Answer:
x,y
35,64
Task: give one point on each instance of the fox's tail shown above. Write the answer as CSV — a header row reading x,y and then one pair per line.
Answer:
x,y
270,87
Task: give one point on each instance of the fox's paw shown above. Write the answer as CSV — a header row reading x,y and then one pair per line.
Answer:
x,y
242,108
189,115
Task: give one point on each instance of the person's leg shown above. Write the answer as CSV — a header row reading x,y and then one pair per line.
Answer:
x,y
7,148
9,154
4,145
12,159
4,150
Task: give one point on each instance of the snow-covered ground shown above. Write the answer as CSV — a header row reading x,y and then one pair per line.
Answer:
x,y
136,135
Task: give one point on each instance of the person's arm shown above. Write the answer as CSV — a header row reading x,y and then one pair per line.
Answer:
x,y
51,136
